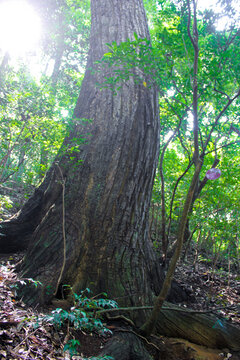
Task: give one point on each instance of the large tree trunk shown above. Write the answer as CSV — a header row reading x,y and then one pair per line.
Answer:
x,y
104,187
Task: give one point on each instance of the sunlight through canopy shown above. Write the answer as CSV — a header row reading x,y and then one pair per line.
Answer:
x,y
20,27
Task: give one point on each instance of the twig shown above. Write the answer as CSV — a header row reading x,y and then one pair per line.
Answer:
x,y
230,101
23,341
140,336
164,308
121,317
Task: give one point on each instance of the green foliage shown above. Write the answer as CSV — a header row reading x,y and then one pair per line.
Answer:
x,y
83,316
83,301
27,281
35,112
5,204
29,125
71,346
84,313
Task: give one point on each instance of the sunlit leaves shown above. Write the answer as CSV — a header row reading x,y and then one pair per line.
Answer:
x,y
34,114
29,124
218,82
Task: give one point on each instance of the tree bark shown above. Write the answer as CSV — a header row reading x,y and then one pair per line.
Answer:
x,y
107,184
199,328
125,345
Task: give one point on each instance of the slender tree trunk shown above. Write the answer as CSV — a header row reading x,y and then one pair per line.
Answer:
x,y
152,320
102,240
44,155
60,48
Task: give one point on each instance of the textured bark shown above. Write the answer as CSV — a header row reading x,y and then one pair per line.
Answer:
x,y
199,328
15,233
126,346
107,195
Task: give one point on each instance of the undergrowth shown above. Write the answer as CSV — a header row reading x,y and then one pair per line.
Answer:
x,y
84,315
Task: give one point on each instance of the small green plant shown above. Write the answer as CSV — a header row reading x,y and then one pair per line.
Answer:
x,y
27,281
83,315
24,282
83,301
71,346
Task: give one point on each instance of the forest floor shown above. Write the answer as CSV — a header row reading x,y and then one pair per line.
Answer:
x,y
20,338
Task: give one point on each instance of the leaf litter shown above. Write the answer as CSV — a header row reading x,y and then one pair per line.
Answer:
x,y
20,338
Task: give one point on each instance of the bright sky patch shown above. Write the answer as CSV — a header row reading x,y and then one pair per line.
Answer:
x,y
20,27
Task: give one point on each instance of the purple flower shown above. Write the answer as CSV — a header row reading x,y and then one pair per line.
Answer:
x,y
213,174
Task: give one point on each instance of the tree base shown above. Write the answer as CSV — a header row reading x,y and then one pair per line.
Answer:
x,y
199,328
126,345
